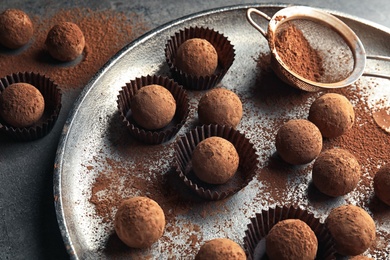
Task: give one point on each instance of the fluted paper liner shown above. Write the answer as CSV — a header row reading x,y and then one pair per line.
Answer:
x,y
222,45
153,136
261,224
52,96
248,163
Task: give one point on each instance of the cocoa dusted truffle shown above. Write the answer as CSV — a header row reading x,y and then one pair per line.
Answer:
x,y
291,239
215,160
352,229
336,172
197,57
298,141
220,106
139,222
16,28
382,184
21,104
65,41
220,249
333,114
153,107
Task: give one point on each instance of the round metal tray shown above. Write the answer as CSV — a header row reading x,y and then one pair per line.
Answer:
x,y
94,142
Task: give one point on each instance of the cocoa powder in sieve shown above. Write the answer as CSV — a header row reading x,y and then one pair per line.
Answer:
x,y
106,32
295,51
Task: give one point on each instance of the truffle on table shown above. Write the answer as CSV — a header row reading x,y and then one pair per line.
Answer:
x,y
333,114
65,41
291,239
16,28
139,222
215,160
197,57
220,249
298,141
352,229
153,107
220,106
21,105
336,172
382,184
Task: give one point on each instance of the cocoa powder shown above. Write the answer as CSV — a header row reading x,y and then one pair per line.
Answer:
x,y
106,32
295,51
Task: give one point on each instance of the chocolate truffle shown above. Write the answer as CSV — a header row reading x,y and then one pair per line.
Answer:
x,y
336,172
220,106
220,249
21,105
291,239
65,41
298,141
139,222
333,114
197,57
382,184
16,28
215,160
153,107
352,229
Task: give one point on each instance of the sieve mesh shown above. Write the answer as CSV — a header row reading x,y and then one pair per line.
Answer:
x,y
335,55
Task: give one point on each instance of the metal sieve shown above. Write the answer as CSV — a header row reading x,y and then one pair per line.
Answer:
x,y
343,56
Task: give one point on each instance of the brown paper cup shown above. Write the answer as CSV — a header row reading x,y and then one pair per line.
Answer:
x,y
52,96
224,48
153,136
261,224
248,164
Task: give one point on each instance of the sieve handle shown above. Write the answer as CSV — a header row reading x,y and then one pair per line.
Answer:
x,y
374,74
253,23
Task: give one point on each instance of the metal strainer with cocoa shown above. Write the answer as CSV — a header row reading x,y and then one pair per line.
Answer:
x,y
313,49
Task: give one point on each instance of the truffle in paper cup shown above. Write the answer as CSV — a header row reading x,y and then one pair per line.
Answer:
x,y
160,135
52,97
261,224
247,168
222,45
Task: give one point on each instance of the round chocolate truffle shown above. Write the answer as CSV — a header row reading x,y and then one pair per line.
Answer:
x,y
16,28
65,41
336,172
291,239
215,160
197,57
352,229
382,184
153,107
21,105
333,114
220,249
298,141
220,106
139,222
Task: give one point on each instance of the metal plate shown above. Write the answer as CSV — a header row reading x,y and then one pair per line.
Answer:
x,y
94,142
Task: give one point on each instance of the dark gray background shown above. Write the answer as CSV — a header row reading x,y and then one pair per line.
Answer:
x,y
28,225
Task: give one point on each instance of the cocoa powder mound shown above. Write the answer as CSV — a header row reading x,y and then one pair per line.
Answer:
x,y
106,32
296,52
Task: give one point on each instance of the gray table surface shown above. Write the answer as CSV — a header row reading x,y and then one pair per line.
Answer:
x,y
28,225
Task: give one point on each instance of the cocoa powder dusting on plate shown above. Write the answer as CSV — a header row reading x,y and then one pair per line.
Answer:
x,y
106,32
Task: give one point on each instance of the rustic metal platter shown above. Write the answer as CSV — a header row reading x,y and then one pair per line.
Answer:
x,y
95,144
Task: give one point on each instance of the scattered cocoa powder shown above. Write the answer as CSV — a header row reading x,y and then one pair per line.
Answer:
x,y
106,32
295,51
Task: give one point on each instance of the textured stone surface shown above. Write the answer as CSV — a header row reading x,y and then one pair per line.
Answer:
x,y
28,224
